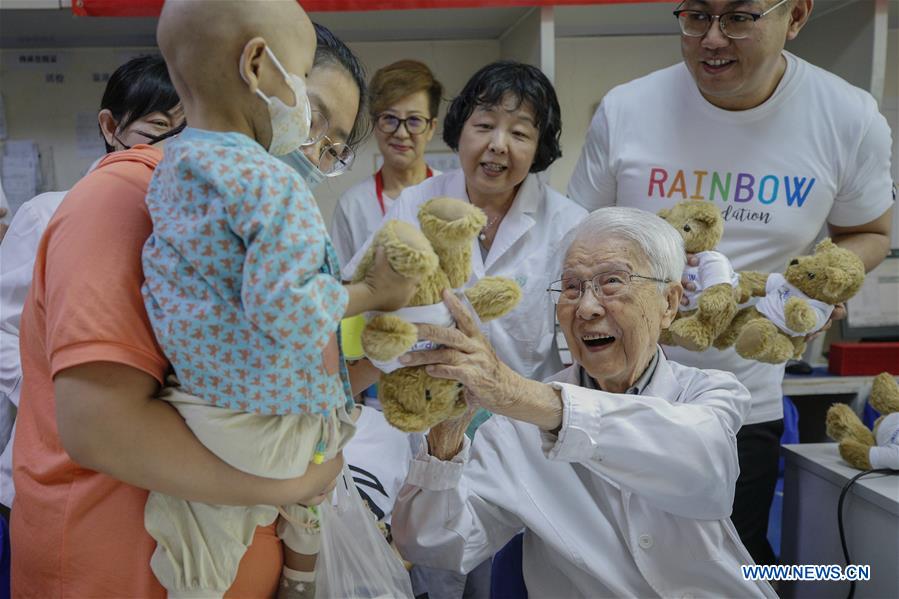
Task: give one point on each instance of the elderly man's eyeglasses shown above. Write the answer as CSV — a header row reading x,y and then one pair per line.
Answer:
x,y
415,124
736,25
334,158
605,284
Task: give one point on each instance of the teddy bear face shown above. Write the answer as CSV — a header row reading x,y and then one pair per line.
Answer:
x,y
699,223
413,400
831,274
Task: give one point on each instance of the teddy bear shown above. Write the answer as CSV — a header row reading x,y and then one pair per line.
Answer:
x,y
796,303
715,301
861,448
411,399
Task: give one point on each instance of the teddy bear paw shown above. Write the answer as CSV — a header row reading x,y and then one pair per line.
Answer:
x,y
842,424
856,454
760,340
690,334
799,316
386,337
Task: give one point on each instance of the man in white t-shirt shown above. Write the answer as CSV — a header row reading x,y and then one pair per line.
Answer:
x,y
781,146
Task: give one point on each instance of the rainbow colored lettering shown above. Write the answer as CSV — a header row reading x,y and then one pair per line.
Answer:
x,y
729,187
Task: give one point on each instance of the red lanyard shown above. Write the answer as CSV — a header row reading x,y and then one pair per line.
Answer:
x,y
379,187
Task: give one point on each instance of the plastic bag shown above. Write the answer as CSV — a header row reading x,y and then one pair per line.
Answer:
x,y
355,561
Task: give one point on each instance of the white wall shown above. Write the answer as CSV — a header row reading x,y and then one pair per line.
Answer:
x,y
587,68
47,112
40,107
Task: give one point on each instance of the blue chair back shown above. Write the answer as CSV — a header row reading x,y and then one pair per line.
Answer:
x,y
4,559
506,577
869,415
790,435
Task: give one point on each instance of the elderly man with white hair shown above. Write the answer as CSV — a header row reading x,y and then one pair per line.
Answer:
x,y
620,468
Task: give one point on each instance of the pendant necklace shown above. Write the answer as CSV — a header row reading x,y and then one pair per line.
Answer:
x,y
483,234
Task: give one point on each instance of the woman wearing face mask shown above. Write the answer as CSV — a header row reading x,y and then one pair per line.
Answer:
x,y
139,106
404,99
336,90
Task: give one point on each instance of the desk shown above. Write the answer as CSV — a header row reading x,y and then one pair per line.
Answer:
x,y
813,477
821,382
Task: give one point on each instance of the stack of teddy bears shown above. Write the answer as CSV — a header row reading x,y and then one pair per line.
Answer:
x,y
792,305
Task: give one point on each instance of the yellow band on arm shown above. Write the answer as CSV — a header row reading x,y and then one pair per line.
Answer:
x,y
351,337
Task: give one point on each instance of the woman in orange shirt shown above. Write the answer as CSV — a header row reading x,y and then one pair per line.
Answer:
x,y
91,437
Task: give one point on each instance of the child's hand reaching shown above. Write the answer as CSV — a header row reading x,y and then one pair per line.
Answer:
x,y
382,289
390,290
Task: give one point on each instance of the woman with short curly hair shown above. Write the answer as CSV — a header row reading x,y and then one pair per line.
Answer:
x,y
403,101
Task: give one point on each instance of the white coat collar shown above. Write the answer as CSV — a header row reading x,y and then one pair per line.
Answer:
x,y
514,225
662,384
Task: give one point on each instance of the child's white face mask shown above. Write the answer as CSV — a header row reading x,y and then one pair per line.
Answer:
x,y
290,124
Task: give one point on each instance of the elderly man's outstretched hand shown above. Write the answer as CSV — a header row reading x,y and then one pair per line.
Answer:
x,y
467,357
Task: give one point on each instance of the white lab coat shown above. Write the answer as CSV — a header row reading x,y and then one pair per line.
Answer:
x,y
631,499
528,248
17,255
355,218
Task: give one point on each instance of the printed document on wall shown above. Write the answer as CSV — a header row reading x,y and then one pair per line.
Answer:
x,y
21,171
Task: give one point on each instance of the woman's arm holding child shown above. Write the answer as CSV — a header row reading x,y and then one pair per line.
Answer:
x,y
110,421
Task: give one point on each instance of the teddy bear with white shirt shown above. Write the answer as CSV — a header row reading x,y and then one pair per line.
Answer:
x,y
714,301
797,303
413,400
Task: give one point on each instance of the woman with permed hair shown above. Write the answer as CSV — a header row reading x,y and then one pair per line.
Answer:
x,y
403,100
505,126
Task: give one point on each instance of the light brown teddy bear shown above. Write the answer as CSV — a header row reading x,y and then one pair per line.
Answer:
x,y
413,400
713,304
797,303
860,447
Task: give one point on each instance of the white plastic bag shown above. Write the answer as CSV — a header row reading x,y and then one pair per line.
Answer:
x,y
355,561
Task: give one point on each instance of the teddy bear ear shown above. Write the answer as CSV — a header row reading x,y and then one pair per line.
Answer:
x,y
706,213
664,213
824,245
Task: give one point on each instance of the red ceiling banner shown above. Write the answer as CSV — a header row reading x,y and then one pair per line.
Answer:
x,y
151,8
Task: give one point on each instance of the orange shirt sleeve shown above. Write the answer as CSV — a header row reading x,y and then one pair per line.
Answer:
x,y
95,310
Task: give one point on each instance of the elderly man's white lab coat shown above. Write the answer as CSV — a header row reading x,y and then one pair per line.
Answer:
x,y
631,499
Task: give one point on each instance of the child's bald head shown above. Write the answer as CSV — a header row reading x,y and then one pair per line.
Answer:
x,y
215,51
